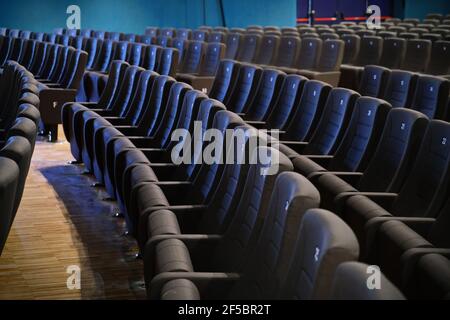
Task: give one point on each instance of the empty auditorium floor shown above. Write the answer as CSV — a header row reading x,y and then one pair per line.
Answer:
x,y
61,223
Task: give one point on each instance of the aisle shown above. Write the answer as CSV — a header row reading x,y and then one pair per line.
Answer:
x,y
62,222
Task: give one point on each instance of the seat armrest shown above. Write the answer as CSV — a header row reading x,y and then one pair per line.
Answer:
x,y
351,178
142,142
383,199
297,146
53,85
420,225
117,121
222,282
128,130
89,105
173,189
323,161
157,155
164,171
411,257
257,124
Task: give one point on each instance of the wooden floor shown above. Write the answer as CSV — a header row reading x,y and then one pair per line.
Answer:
x,y
63,222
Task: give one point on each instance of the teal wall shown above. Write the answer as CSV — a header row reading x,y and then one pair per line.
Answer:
x,y
134,15
420,8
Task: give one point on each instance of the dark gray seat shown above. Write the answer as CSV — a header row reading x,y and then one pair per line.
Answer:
x,y
421,195
350,283
358,143
8,185
389,165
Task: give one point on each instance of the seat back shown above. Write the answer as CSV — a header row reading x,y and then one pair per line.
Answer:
x,y
27,57
151,31
400,88
362,135
144,39
233,44
119,51
293,195
332,124
351,50
6,43
249,48
268,50
418,53
199,35
310,52
350,283
29,111
168,62
308,111
224,80
114,36
193,57
163,41
207,176
74,73
126,89
217,36
290,93
244,90
18,45
331,56
115,78
431,96
183,33
76,42
188,113
171,112
99,35
266,96
424,191
91,49
396,151
140,97
104,58
18,148
151,57
50,38
288,51
179,44
324,242
62,39
129,37
440,59
64,55
252,210
214,53
135,54
370,51
8,186
151,113
373,81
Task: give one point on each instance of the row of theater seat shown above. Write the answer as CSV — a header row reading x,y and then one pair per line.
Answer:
x,y
295,195
59,70
19,116
244,47
164,203
198,62
433,18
